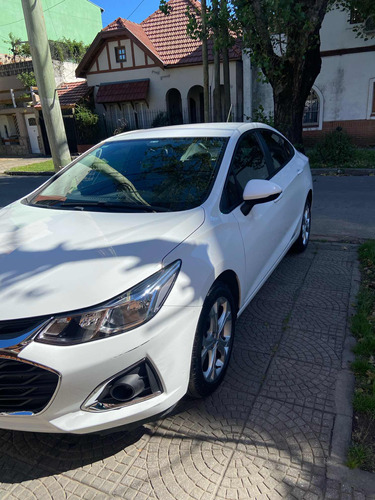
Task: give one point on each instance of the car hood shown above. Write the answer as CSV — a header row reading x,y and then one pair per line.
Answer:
x,y
53,261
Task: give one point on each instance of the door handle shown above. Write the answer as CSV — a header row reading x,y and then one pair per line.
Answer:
x,y
299,171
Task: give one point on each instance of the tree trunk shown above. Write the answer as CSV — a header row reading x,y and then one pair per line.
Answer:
x,y
206,94
217,103
225,54
290,93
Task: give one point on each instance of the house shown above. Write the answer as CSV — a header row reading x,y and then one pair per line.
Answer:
x,y
21,125
74,19
144,73
343,94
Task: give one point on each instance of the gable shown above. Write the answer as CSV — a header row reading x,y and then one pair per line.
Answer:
x,y
119,54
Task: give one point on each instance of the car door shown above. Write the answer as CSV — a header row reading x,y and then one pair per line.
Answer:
x,y
260,229
286,168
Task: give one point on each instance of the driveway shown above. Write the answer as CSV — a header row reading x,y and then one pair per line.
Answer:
x,y
266,433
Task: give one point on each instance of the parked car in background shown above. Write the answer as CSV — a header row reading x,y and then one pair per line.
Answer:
x,y
123,275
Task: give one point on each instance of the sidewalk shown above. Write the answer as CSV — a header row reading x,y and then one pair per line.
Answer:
x,y
268,432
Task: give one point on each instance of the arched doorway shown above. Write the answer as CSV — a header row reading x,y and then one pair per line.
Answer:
x,y
196,107
174,107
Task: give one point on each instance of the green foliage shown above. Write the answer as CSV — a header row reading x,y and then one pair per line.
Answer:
x,y
364,10
27,78
160,120
61,50
87,124
358,456
364,403
336,147
259,115
67,50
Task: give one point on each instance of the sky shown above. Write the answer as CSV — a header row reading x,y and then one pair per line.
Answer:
x,y
134,10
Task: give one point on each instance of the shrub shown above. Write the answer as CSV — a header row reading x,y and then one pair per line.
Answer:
x,y
336,147
160,120
87,124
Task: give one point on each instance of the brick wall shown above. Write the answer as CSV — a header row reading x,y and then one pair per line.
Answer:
x,y
362,132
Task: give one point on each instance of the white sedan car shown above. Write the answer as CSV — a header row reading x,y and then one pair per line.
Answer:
x,y
122,276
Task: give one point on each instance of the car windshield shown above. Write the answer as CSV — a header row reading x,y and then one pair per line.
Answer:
x,y
138,175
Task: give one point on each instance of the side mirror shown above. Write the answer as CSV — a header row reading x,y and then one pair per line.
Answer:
x,y
259,191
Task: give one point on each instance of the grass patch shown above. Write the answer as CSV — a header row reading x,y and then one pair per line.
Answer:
x,y
43,166
362,158
362,452
358,456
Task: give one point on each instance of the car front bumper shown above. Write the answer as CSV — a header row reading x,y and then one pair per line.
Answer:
x,y
165,341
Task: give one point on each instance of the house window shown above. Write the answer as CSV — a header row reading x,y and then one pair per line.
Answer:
x,y
120,54
311,111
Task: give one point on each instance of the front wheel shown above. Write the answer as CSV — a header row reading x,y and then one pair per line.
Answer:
x,y
302,241
213,341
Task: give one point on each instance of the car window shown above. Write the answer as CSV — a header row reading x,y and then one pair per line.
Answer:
x,y
280,149
248,163
166,174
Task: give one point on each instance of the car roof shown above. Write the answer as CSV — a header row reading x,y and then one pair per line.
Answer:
x,y
192,130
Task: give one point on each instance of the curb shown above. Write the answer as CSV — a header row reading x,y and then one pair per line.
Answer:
x,y
343,171
342,429
9,172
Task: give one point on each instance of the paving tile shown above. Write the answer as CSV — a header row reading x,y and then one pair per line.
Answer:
x,y
273,291
318,348
317,320
180,467
267,312
344,254
301,383
257,336
246,370
218,418
332,300
323,281
332,267
289,434
253,477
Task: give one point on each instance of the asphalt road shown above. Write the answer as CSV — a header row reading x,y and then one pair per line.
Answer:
x,y
344,207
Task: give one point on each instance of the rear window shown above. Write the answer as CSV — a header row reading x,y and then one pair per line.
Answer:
x,y
280,149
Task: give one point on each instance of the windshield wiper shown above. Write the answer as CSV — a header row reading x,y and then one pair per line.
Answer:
x,y
81,205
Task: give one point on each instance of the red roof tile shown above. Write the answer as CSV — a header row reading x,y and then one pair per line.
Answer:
x,y
70,94
122,92
166,36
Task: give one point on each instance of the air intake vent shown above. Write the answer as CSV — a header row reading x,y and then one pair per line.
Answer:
x,y
25,387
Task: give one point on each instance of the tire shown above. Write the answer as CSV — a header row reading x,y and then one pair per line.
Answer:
x,y
302,241
213,341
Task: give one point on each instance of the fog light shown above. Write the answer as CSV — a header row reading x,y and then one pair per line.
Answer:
x,y
133,385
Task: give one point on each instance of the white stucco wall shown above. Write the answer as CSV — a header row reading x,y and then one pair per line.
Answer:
x,y
345,82
337,32
161,80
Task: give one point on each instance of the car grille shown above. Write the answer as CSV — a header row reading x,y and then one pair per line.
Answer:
x,y
25,387
16,327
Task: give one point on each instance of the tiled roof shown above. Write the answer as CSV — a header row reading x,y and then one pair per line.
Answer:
x,y
166,36
136,29
70,94
123,92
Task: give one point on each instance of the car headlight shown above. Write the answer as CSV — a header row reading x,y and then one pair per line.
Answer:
x,y
133,308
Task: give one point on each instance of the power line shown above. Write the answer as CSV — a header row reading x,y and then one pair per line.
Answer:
x,y
140,3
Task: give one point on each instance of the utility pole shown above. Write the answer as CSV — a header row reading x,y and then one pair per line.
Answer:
x,y
45,79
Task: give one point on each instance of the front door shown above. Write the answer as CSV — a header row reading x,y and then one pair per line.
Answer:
x,y
32,130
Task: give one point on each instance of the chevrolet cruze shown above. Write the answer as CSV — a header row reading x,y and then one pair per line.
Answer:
x,y
122,276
